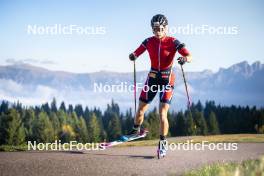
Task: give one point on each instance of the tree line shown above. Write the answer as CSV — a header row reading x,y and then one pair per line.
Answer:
x,y
47,123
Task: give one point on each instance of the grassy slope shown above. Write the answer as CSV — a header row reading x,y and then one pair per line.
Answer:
x,y
245,168
239,138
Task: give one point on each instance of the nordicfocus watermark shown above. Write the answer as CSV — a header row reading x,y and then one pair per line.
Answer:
x,y
57,145
125,87
191,29
203,145
186,146
60,29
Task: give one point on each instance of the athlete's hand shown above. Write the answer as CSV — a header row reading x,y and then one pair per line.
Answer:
x,y
132,57
182,60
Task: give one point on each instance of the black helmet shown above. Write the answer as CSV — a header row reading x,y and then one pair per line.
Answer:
x,y
158,20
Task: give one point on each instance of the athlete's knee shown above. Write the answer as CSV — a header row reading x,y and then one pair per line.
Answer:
x,y
163,113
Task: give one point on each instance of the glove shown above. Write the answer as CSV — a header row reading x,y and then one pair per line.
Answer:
x,y
182,60
132,57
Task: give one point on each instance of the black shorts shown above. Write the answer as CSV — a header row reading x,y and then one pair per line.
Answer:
x,y
158,81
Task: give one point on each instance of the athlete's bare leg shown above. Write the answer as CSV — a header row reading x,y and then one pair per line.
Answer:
x,y
142,108
164,125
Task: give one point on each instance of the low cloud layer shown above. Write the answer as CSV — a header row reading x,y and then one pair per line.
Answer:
x,y
29,61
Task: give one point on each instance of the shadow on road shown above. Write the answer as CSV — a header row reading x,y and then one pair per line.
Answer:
x,y
143,157
97,154
130,156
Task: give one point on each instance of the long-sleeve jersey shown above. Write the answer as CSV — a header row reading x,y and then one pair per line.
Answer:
x,y
161,51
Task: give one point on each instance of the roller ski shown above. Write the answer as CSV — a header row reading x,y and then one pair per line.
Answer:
x,y
133,135
162,148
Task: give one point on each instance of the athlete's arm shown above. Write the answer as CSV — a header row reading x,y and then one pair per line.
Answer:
x,y
183,51
189,58
141,49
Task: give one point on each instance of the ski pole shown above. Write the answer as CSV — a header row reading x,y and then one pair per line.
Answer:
x,y
186,89
135,88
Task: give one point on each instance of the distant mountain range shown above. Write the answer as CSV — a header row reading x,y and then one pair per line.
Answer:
x,y
240,84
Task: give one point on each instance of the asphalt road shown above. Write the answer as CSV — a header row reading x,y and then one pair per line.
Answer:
x,y
118,161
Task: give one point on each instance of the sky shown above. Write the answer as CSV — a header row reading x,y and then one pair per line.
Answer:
x,y
116,28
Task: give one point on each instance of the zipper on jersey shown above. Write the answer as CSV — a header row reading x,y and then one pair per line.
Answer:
x,y
159,53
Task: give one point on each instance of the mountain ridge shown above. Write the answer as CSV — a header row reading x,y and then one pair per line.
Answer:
x,y
240,83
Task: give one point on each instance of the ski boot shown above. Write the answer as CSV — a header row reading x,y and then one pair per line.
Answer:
x,y
162,148
134,134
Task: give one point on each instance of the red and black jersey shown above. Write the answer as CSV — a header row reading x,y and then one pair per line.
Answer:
x,y
161,51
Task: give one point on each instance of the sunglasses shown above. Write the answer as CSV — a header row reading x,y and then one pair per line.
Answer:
x,y
158,29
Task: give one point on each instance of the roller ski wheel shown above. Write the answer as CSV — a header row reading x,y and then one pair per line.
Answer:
x,y
161,153
162,149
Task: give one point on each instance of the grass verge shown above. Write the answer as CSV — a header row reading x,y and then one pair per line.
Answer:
x,y
229,138
245,168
